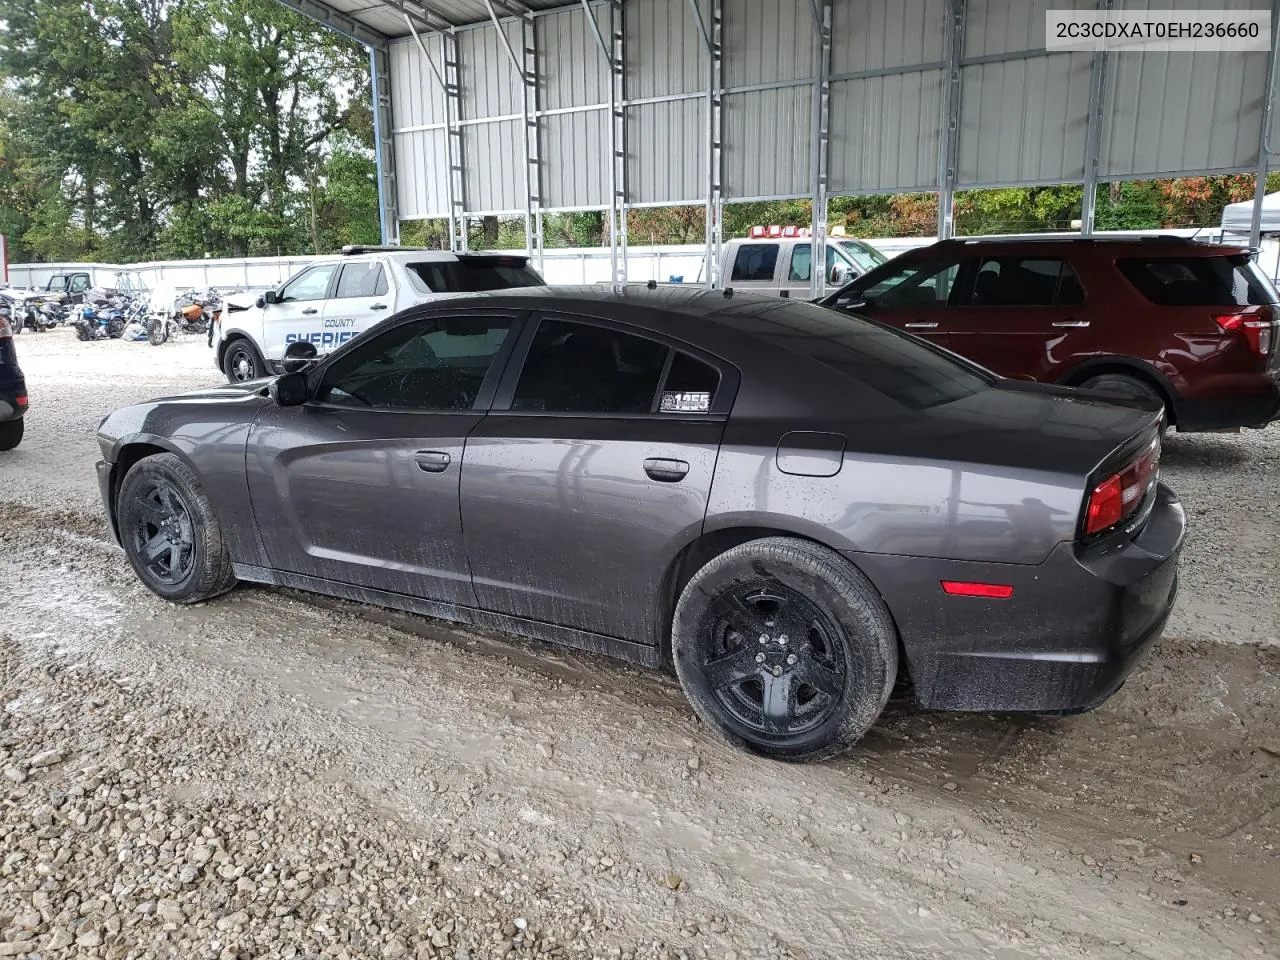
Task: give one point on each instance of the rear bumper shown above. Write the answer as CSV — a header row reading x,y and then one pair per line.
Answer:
x,y
1065,641
10,408
1254,406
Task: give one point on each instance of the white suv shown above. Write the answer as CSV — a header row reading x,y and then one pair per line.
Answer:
x,y
336,299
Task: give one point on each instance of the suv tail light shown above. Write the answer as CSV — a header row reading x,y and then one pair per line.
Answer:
x,y
1258,329
1118,497
5,332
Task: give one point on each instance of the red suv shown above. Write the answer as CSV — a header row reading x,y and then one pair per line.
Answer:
x,y
1162,319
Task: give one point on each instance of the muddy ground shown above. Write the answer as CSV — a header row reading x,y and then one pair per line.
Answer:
x,y
272,775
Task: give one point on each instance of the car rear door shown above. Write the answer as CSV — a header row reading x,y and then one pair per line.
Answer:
x,y
360,484
1020,315
591,470
758,268
914,296
298,311
361,297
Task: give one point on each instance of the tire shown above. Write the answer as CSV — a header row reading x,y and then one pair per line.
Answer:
x,y
1129,388
82,331
169,532
242,362
835,676
11,433
157,331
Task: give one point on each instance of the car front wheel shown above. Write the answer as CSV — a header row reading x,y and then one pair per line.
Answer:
x,y
242,362
169,532
784,648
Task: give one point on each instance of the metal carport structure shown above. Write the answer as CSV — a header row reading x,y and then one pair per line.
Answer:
x,y
528,107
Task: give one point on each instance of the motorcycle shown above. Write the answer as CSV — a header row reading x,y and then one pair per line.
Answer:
x,y
194,313
102,320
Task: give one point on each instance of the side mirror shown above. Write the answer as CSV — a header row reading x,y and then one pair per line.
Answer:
x,y
270,297
298,356
841,274
288,390
260,302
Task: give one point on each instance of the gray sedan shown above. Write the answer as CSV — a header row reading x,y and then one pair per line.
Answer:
x,y
796,508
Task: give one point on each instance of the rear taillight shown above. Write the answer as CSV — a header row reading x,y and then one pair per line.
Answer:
x,y
5,331
20,401
1258,329
1119,496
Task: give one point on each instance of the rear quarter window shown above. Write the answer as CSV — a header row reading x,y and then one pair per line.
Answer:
x,y
473,275
1226,281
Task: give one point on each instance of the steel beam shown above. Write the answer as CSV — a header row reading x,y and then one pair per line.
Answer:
x,y
711,28
819,143
383,147
337,21
458,233
1093,134
618,138
448,139
526,64
1264,134
950,133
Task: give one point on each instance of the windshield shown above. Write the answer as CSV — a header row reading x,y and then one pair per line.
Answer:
x,y
864,256
473,274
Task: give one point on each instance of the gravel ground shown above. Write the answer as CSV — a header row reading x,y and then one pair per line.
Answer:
x,y
272,775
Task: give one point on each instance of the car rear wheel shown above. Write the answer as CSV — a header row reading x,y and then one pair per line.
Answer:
x,y
11,433
169,531
242,362
784,648
1129,388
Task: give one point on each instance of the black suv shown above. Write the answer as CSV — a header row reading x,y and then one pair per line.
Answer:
x,y
13,388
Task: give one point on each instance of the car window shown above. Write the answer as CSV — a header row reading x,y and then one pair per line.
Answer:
x,y
1227,281
802,262
1013,281
755,261
472,274
924,283
580,368
311,284
79,283
902,368
57,282
690,386
433,364
361,280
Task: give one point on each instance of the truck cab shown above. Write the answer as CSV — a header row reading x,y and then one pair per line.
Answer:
x,y
72,286
778,261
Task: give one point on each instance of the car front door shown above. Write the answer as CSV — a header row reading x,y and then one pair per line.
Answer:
x,y
1019,315
297,312
361,298
359,485
914,296
594,464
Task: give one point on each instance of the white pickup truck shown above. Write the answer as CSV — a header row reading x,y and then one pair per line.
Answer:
x,y
771,265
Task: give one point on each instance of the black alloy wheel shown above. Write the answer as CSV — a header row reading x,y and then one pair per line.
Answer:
x,y
163,534
241,363
771,660
783,647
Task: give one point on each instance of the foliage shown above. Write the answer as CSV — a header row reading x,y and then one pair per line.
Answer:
x,y
139,128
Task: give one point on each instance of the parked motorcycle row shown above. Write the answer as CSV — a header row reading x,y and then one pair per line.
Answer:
x,y
112,315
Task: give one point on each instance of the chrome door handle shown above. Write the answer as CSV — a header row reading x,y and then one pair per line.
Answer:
x,y
666,471
310,310
378,306
920,325
432,461
1071,323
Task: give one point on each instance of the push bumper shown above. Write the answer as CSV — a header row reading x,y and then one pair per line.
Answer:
x,y
1065,640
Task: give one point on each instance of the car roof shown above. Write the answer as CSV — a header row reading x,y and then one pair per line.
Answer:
x,y
1166,244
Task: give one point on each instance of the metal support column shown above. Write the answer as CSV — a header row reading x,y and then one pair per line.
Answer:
x,y
950,133
714,216
1093,134
819,140
458,233
613,54
618,139
383,147
1264,136
525,64
448,140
